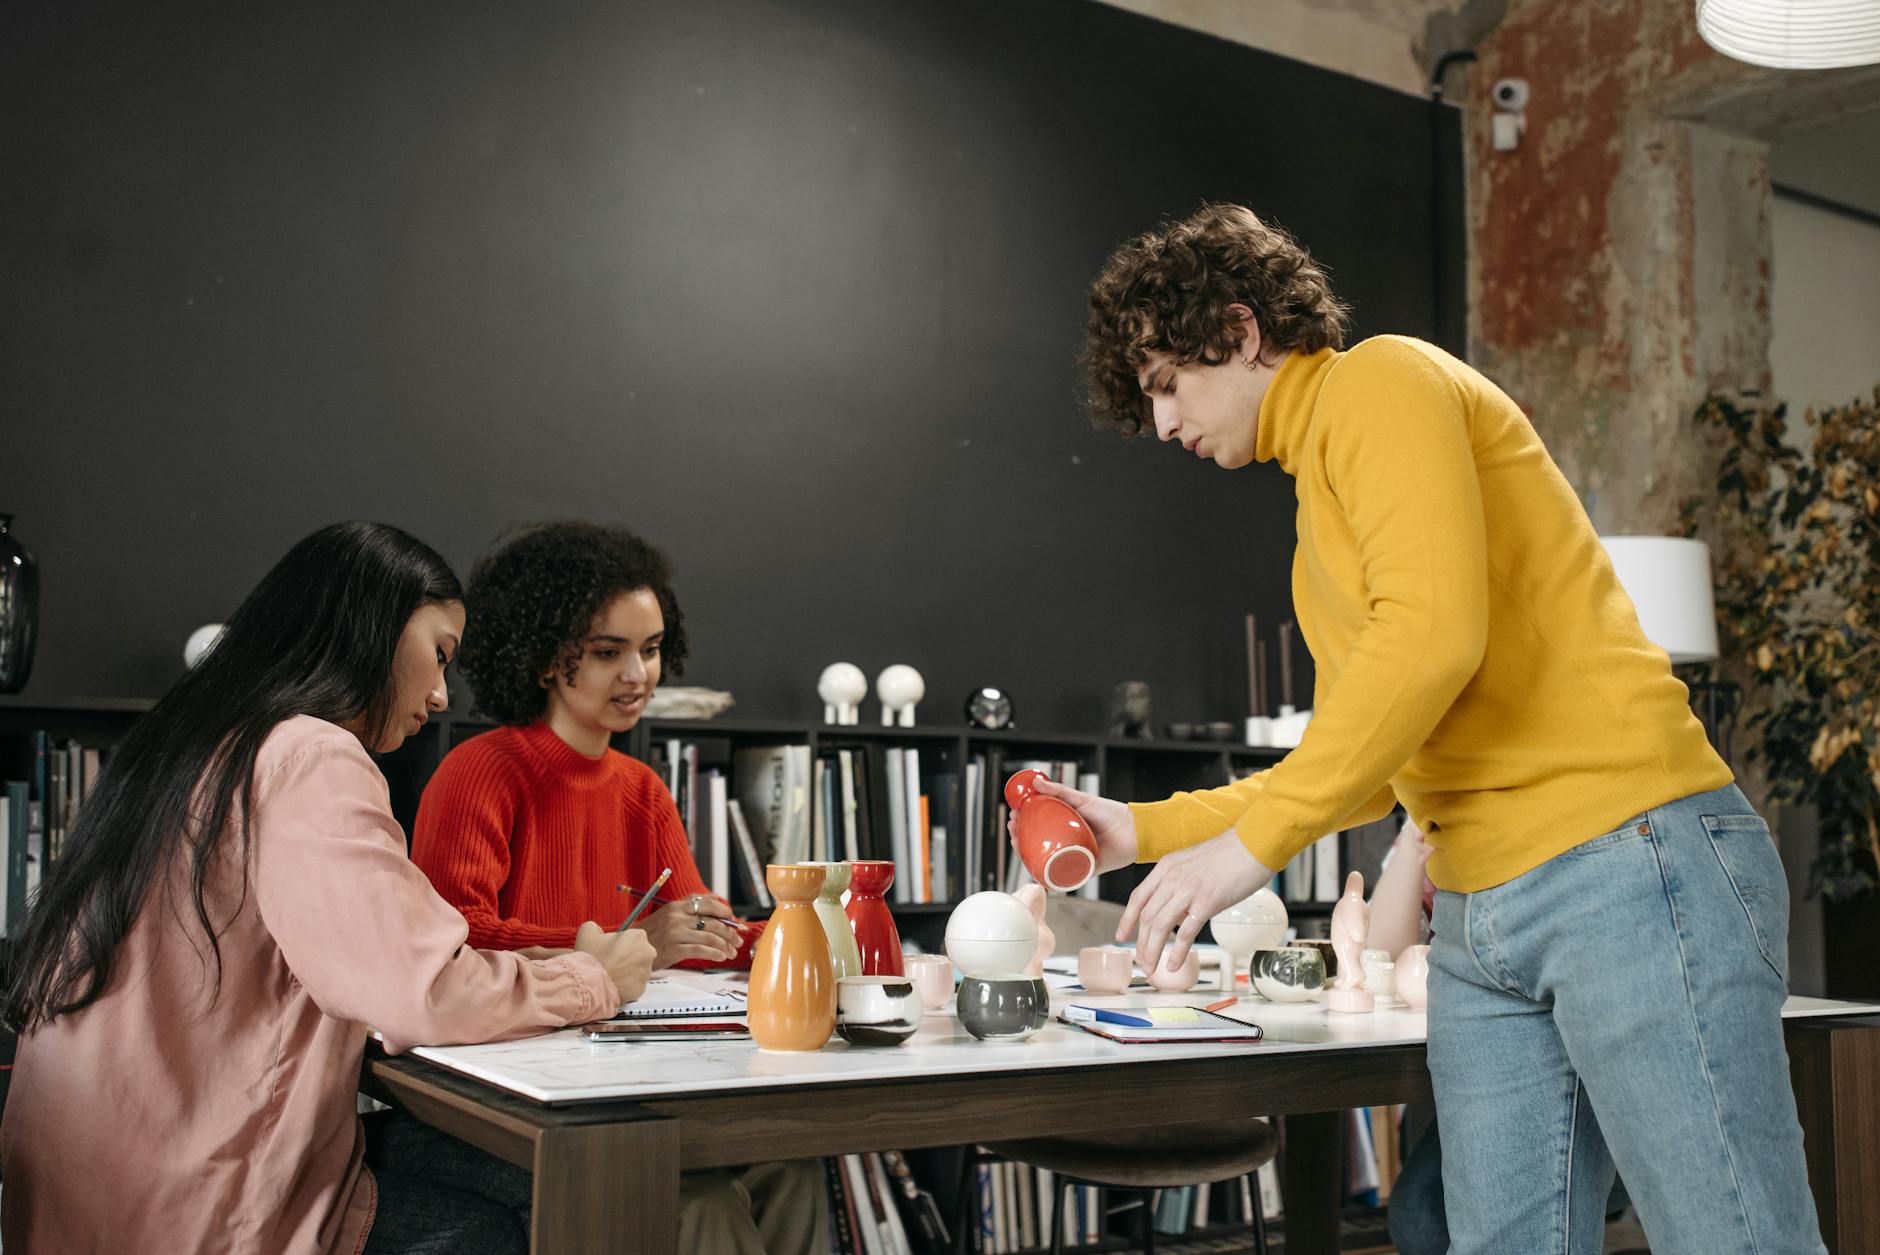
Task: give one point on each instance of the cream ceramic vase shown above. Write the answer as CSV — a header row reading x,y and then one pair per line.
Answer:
x,y
1413,977
844,954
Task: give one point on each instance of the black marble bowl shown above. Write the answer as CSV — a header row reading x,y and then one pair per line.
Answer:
x,y
1003,1007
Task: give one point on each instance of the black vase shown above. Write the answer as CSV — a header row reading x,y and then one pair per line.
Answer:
x,y
19,609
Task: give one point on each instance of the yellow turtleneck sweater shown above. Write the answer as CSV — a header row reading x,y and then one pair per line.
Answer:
x,y
1477,659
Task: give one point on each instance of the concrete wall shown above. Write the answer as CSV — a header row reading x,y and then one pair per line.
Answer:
x,y
1368,39
1825,308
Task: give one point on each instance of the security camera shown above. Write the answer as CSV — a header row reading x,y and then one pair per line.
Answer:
x,y
1511,94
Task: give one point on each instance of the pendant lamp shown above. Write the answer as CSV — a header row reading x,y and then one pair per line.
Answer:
x,y
1793,34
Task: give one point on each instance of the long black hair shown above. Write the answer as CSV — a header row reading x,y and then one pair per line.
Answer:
x,y
316,637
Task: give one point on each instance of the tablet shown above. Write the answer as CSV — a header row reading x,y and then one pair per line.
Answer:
x,y
652,1030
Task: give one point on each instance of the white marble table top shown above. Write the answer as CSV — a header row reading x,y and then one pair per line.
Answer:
x,y
563,1067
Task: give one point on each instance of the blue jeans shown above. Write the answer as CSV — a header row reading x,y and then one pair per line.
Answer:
x,y
1619,1005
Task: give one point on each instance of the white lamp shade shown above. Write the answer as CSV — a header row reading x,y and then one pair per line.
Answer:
x,y
1668,580
1793,34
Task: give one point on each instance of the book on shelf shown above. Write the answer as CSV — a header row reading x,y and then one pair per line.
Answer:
x,y
718,852
845,761
1385,1135
870,806
948,824
1296,880
882,1192
19,809
974,833
752,859
773,784
926,1228
895,765
871,1208
842,1218
828,838
1327,884
1270,1200
911,799
923,863
1361,1175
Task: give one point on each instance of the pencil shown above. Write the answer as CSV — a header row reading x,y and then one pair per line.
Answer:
x,y
664,875
1223,1004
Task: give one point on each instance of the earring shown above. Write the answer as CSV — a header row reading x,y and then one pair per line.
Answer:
x,y
1250,363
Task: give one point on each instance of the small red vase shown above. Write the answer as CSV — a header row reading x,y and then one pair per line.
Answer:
x,y
875,932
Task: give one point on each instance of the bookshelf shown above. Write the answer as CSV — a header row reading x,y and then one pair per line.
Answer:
x,y
1129,769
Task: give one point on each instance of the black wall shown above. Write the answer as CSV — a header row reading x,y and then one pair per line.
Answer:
x,y
796,288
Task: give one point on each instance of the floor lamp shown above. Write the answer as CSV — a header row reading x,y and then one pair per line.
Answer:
x,y
1668,580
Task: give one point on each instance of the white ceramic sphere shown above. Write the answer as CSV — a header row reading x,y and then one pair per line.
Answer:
x,y
201,641
842,684
900,685
976,956
991,932
1256,922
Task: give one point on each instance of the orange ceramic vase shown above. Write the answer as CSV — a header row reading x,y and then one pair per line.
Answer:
x,y
793,983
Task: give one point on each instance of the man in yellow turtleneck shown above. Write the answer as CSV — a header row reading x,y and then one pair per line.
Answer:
x,y
1611,918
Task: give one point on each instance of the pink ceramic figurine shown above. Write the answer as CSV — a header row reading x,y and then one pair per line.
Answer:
x,y
1033,898
1351,924
1052,838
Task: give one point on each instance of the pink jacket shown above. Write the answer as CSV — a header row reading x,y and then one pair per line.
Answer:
x,y
162,1119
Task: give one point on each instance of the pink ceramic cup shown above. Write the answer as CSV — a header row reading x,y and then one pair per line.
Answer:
x,y
1181,979
1105,969
932,975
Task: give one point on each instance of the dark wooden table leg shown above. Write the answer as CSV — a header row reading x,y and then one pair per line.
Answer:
x,y
1312,1172
1834,1065
610,1188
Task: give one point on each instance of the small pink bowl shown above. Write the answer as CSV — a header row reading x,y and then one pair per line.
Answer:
x,y
1181,979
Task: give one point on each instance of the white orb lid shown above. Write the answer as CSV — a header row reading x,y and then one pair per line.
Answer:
x,y
1263,906
992,916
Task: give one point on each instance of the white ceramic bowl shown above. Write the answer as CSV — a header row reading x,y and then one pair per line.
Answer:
x,y
1257,922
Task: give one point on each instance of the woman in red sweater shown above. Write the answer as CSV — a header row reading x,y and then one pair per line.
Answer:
x,y
539,827
532,830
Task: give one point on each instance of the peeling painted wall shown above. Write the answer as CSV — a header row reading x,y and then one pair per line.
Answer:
x,y
1619,257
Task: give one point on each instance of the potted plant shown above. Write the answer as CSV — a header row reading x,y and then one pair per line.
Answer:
x,y
1798,605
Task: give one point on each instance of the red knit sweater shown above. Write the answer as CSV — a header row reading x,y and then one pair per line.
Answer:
x,y
529,837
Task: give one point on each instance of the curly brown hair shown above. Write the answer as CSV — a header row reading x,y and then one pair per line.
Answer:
x,y
1168,291
532,602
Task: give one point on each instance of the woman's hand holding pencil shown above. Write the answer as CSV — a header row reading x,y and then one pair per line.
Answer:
x,y
627,956
697,926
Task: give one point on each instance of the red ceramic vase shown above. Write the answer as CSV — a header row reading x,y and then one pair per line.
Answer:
x,y
875,933
1057,846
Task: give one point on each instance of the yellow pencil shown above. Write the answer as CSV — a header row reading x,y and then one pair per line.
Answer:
x,y
664,875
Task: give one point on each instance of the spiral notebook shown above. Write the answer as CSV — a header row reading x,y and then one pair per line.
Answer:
x,y
668,999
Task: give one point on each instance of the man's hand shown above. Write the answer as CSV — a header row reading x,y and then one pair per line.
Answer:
x,y
1109,822
1185,890
694,927
628,957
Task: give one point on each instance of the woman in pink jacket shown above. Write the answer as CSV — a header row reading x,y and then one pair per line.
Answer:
x,y
233,908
